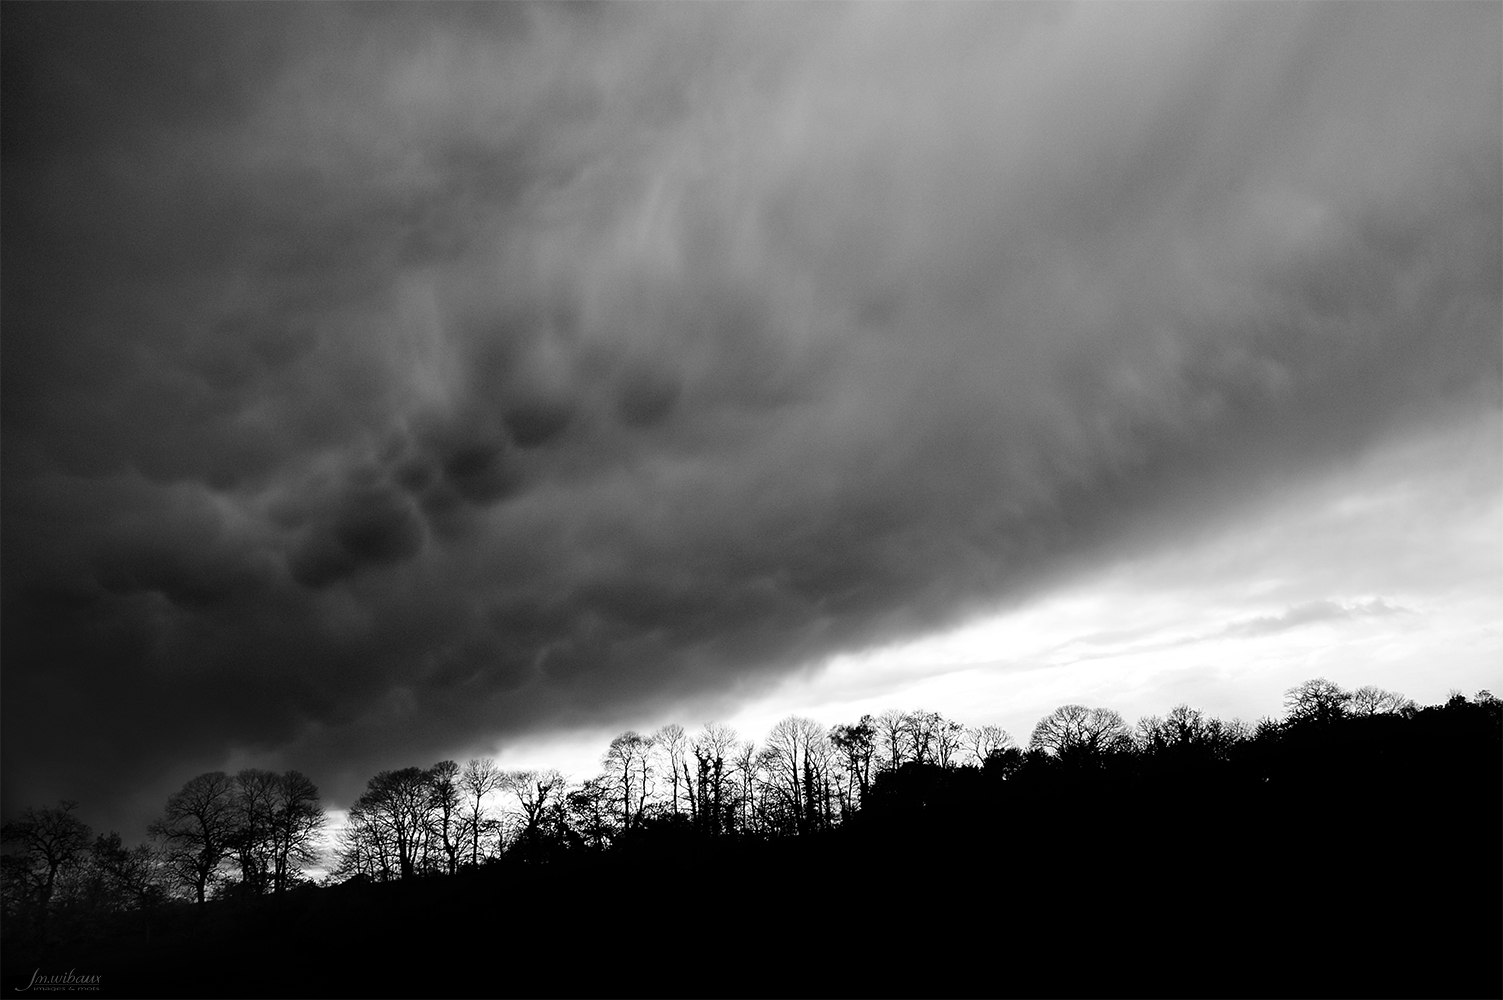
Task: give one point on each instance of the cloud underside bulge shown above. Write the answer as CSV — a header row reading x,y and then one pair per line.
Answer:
x,y
386,379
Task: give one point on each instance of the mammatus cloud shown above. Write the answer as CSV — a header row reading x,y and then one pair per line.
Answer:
x,y
385,380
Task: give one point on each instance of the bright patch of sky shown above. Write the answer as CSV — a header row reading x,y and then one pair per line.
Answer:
x,y
1387,570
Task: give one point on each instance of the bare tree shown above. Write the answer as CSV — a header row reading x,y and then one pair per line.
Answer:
x,y
746,772
820,765
274,824
45,843
589,808
479,778
920,727
535,792
1188,735
1077,732
198,829
252,794
444,802
367,845
856,745
1369,700
134,876
1317,700
948,741
628,762
394,810
672,745
982,741
297,819
1181,727
709,784
796,758
892,738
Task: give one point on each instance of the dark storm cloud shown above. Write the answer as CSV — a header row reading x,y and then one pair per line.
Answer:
x,y
382,380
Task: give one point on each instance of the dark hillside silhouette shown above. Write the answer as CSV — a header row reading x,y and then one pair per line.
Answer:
x,y
1333,853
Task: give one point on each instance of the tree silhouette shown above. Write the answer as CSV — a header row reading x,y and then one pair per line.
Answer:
x,y
45,844
394,813
746,772
892,738
920,727
1369,700
948,741
628,762
133,875
479,778
796,758
297,819
589,810
444,801
1200,801
1188,739
365,846
856,745
536,792
711,790
198,829
252,797
1079,734
672,744
1317,700
983,741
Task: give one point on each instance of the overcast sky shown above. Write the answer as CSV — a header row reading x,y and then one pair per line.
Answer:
x,y
390,383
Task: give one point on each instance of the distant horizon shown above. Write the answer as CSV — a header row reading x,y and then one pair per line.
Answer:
x,y
337,814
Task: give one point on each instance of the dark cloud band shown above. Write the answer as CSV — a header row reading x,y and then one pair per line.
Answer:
x,y
379,381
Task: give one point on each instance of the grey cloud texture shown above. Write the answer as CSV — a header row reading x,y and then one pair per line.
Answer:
x,y
384,380
1119,641
1314,611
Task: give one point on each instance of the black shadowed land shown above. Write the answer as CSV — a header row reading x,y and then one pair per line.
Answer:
x,y
1349,849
